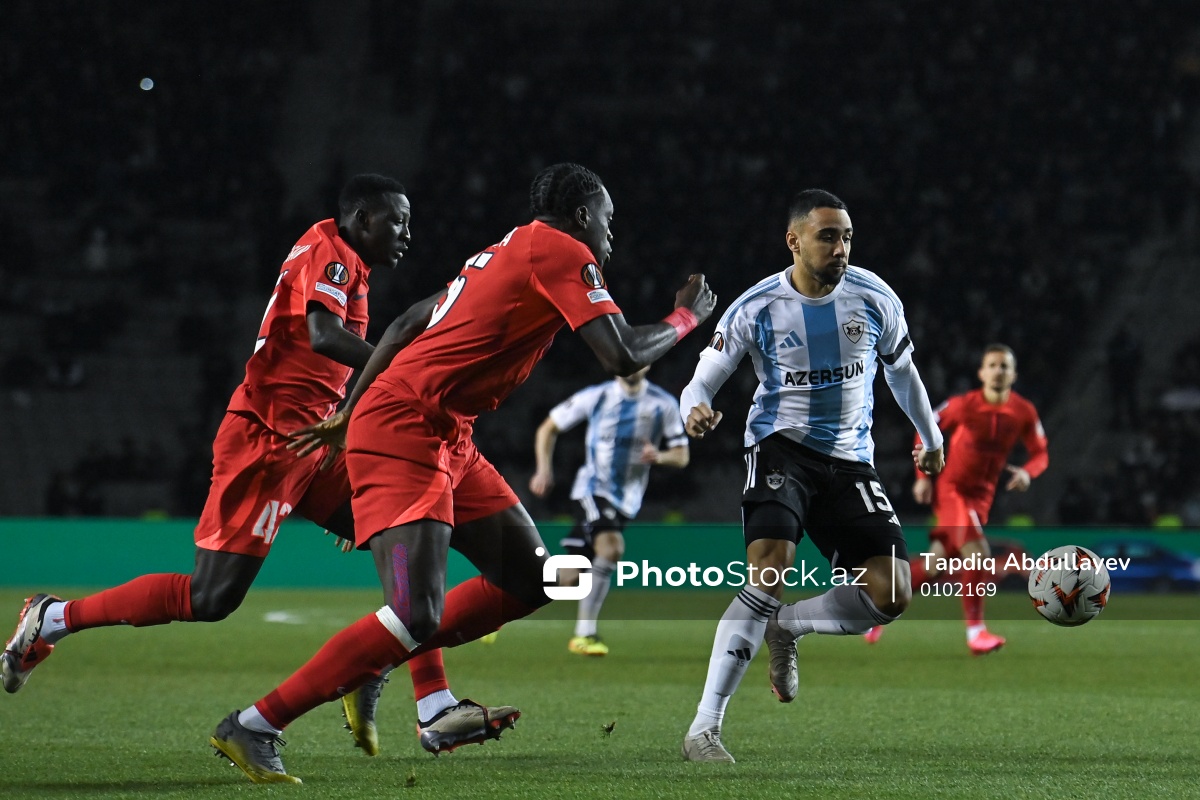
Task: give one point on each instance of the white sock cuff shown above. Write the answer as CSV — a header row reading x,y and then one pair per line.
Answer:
x,y
433,704
396,628
252,719
706,720
761,604
878,616
54,622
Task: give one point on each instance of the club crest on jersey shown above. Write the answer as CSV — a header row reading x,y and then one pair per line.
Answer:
x,y
774,479
717,342
853,330
337,273
592,276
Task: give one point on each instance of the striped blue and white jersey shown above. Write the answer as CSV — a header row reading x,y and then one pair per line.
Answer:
x,y
619,426
815,359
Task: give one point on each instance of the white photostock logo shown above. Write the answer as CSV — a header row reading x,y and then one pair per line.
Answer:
x,y
550,576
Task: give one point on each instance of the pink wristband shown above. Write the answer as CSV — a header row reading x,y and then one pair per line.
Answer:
x,y
683,321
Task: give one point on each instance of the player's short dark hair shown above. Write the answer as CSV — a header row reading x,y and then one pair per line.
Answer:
x,y
997,347
361,189
559,189
809,199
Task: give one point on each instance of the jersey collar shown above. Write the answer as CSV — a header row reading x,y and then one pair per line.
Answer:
x,y
786,278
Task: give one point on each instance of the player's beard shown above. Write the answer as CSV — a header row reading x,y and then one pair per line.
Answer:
x,y
829,275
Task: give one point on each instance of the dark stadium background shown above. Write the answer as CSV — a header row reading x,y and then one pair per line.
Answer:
x,y
1023,172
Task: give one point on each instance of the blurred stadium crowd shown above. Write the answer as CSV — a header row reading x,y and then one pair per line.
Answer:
x,y
1000,165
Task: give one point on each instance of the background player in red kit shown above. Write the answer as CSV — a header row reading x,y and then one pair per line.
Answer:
x,y
421,487
309,343
981,428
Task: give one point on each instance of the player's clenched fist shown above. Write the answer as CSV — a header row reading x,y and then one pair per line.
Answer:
x,y
700,420
696,297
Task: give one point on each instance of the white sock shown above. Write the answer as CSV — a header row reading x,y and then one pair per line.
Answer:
x,y
739,636
431,705
54,624
589,607
250,718
975,630
840,611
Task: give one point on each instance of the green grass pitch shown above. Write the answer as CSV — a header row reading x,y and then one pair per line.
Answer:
x,y
1109,710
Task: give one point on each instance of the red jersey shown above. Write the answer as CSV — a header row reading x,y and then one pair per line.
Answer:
x,y
980,436
287,385
497,320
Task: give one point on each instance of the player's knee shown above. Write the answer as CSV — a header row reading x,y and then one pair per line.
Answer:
x,y
214,604
521,580
531,593
893,599
611,553
424,617
890,594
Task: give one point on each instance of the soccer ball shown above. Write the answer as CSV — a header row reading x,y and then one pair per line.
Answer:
x,y
1069,585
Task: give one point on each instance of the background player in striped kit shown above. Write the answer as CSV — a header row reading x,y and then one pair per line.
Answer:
x,y
815,333
983,426
628,418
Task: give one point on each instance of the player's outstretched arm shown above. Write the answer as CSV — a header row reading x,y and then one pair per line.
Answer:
x,y
624,349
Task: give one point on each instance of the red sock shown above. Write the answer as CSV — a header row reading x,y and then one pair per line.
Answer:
x,y
428,674
474,608
344,663
972,598
919,575
148,600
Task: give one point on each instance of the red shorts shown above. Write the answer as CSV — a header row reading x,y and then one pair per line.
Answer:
x,y
960,519
257,483
405,467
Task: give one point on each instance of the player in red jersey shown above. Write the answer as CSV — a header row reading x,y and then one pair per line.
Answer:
x,y
309,343
421,487
981,428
